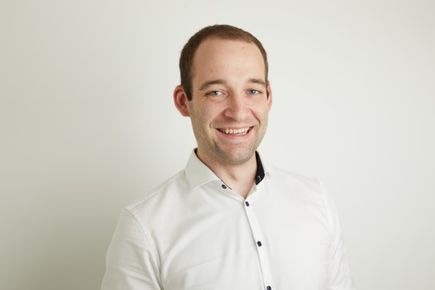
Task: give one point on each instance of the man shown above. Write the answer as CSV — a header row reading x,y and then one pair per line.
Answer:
x,y
228,220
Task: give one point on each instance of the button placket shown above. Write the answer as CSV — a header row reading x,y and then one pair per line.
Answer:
x,y
257,235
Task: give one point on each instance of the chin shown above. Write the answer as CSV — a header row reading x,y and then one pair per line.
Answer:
x,y
238,158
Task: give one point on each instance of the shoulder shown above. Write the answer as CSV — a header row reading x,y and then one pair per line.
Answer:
x,y
159,202
306,192
298,189
295,181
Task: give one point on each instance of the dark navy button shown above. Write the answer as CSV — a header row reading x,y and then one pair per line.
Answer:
x,y
246,203
259,243
268,288
224,186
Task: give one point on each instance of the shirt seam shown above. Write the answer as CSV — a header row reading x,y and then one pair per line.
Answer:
x,y
327,207
153,250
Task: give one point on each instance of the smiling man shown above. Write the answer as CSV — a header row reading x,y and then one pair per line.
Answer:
x,y
228,104
228,220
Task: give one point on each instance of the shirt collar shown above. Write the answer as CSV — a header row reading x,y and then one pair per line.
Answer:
x,y
259,174
198,173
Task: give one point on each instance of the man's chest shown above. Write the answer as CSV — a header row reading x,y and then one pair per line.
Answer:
x,y
246,249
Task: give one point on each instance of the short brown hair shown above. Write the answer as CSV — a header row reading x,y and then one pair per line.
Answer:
x,y
221,31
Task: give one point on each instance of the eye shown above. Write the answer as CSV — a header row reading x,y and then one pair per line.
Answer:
x,y
254,92
214,93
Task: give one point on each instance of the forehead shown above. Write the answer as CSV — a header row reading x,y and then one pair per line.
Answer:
x,y
216,55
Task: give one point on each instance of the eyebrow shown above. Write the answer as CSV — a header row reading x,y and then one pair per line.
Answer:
x,y
206,84
210,83
257,81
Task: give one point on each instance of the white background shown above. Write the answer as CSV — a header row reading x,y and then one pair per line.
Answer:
x,y
87,124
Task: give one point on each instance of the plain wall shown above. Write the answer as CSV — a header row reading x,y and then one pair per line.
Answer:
x,y
88,126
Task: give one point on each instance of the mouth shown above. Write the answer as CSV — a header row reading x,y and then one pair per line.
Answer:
x,y
235,131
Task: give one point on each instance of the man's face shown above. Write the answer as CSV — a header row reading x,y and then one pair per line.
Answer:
x,y
230,102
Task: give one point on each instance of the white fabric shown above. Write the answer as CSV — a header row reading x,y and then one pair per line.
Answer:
x,y
192,233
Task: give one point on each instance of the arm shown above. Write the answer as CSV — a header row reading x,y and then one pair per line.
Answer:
x,y
131,260
339,276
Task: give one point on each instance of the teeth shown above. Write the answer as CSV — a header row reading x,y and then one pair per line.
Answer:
x,y
235,131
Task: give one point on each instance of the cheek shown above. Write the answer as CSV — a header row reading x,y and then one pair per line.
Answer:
x,y
208,114
202,117
261,114
205,114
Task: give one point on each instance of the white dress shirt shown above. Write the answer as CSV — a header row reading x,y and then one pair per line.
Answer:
x,y
195,233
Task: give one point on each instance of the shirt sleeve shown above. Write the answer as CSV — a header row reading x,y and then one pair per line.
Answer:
x,y
339,276
131,260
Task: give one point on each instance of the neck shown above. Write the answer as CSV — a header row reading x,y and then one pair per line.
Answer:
x,y
240,177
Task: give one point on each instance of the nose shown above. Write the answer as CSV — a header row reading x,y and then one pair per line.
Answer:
x,y
236,107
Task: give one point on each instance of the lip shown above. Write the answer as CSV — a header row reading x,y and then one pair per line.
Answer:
x,y
235,136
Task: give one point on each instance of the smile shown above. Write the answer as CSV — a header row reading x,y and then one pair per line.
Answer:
x,y
235,131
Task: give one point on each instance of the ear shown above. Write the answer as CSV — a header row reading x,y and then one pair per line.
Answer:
x,y
180,101
269,95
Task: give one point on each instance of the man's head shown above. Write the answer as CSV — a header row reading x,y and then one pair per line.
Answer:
x,y
228,32
230,98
